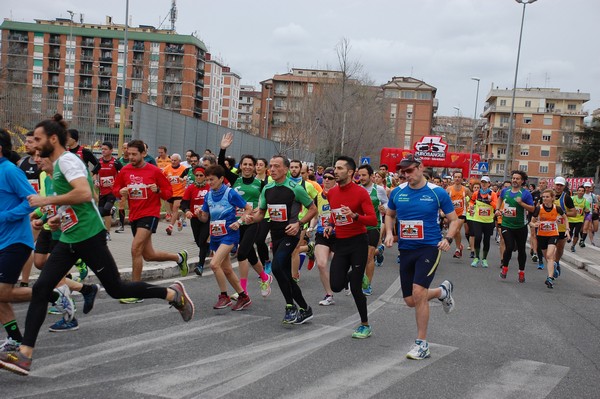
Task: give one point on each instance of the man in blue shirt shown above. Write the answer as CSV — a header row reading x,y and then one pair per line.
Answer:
x,y
414,208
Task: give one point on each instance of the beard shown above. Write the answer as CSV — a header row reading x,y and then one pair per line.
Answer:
x,y
46,150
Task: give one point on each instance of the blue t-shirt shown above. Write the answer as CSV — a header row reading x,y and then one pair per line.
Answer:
x,y
14,206
221,206
417,214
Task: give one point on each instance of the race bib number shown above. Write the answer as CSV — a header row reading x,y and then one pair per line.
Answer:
x,y
579,211
68,219
240,211
174,179
484,212
138,192
217,228
458,204
35,184
341,219
560,220
50,211
278,213
411,230
509,211
325,218
548,227
107,181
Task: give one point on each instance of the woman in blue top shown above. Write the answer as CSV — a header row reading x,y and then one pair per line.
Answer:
x,y
220,207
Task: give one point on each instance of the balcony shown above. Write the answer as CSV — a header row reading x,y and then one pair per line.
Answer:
x,y
86,58
54,68
173,78
52,83
85,84
89,42
104,86
197,110
106,59
86,71
497,139
106,45
138,61
17,37
54,54
281,93
54,40
174,64
138,47
174,49
105,72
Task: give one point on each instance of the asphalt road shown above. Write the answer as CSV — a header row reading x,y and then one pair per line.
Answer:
x,y
504,340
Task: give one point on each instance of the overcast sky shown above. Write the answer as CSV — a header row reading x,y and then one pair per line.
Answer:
x,y
442,42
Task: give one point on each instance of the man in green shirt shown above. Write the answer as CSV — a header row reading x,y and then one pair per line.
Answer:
x,y
83,236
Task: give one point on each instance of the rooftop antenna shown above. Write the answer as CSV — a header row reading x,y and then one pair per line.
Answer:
x,y
173,14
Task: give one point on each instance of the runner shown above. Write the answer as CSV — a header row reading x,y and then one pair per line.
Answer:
x,y
174,173
324,245
545,218
143,185
284,199
458,194
219,205
16,240
482,205
536,253
264,227
106,171
379,199
163,160
564,201
351,212
582,209
88,157
83,237
415,207
513,203
191,204
590,225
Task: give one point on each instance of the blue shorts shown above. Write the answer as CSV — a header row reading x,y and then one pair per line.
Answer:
x,y
12,259
418,266
232,238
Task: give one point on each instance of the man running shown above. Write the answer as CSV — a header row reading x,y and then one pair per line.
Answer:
x,y
351,212
284,199
324,245
563,200
582,209
175,174
88,157
415,207
106,171
83,236
512,204
458,194
143,185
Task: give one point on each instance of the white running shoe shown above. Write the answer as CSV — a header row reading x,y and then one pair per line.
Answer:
x,y
328,300
65,303
448,301
265,287
419,351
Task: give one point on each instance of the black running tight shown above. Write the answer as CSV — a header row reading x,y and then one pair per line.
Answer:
x,y
515,238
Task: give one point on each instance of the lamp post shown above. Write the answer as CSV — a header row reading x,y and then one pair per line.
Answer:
x,y
514,92
268,101
474,127
123,84
70,61
457,129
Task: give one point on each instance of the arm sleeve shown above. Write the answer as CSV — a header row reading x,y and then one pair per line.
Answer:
x,y
302,196
536,211
96,168
391,205
262,201
23,189
118,166
88,157
527,198
382,195
166,191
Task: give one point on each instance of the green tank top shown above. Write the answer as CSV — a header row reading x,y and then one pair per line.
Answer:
x,y
81,221
580,206
376,203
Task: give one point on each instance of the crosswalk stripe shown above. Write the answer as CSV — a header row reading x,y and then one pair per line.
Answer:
x,y
520,379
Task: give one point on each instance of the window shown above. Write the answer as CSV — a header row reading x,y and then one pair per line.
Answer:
x,y
547,121
424,95
572,107
545,153
570,124
543,169
523,168
550,107
499,168
527,120
503,103
391,94
525,152
309,88
546,136
528,104
408,94
525,136
503,120
500,152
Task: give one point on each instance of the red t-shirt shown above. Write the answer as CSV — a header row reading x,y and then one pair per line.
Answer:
x,y
106,175
142,201
196,195
358,200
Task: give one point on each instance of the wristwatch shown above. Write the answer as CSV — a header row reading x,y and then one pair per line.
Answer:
x,y
449,239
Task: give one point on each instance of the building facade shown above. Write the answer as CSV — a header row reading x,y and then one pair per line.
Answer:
x,y
77,68
544,123
411,108
249,113
221,93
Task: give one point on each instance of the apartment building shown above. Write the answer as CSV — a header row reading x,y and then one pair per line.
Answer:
x,y
249,113
221,93
77,68
411,106
283,97
544,123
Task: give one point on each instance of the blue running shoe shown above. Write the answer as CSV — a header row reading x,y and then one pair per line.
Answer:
x,y
62,326
302,259
379,255
368,291
291,314
268,267
541,266
556,269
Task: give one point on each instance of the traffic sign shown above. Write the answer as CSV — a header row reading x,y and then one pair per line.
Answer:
x,y
483,167
365,160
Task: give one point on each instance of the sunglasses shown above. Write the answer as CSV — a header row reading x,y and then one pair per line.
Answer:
x,y
409,170
199,175
328,177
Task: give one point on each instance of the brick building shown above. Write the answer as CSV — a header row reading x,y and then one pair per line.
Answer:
x,y
76,69
544,122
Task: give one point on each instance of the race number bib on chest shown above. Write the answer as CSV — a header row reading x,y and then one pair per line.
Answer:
x,y
278,213
324,218
411,230
484,212
68,219
341,219
107,181
138,192
548,227
35,184
458,204
174,179
509,211
217,228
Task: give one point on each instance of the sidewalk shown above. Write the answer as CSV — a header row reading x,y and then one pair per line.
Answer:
x,y
120,247
587,258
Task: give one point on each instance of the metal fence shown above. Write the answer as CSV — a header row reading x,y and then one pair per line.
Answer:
x,y
179,133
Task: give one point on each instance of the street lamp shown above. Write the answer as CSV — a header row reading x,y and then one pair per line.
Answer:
x,y
70,64
268,100
512,105
123,83
474,127
458,129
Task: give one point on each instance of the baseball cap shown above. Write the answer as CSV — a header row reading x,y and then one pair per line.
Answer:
x,y
560,180
587,184
408,160
329,171
486,178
